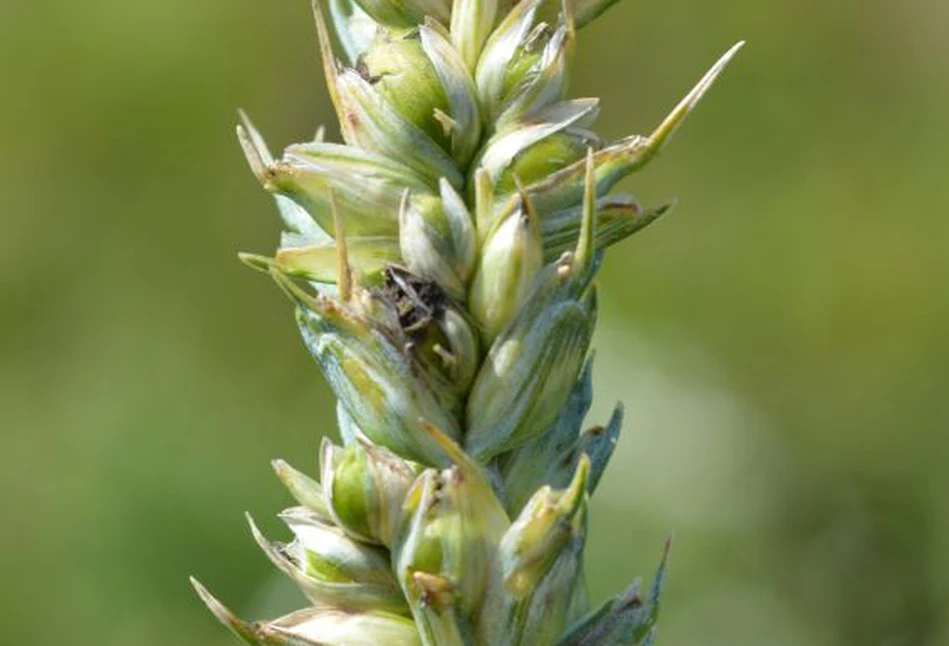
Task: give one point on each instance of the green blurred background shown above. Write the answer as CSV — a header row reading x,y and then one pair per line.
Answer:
x,y
780,340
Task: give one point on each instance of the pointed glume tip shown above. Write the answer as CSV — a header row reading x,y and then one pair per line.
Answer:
x,y
713,73
255,530
668,127
216,607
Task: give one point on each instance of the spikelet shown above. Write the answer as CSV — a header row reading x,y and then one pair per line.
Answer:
x,y
442,263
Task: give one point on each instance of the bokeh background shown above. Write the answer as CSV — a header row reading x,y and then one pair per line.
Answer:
x,y
780,340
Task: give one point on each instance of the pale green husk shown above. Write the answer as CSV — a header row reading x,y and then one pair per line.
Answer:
x,y
442,263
